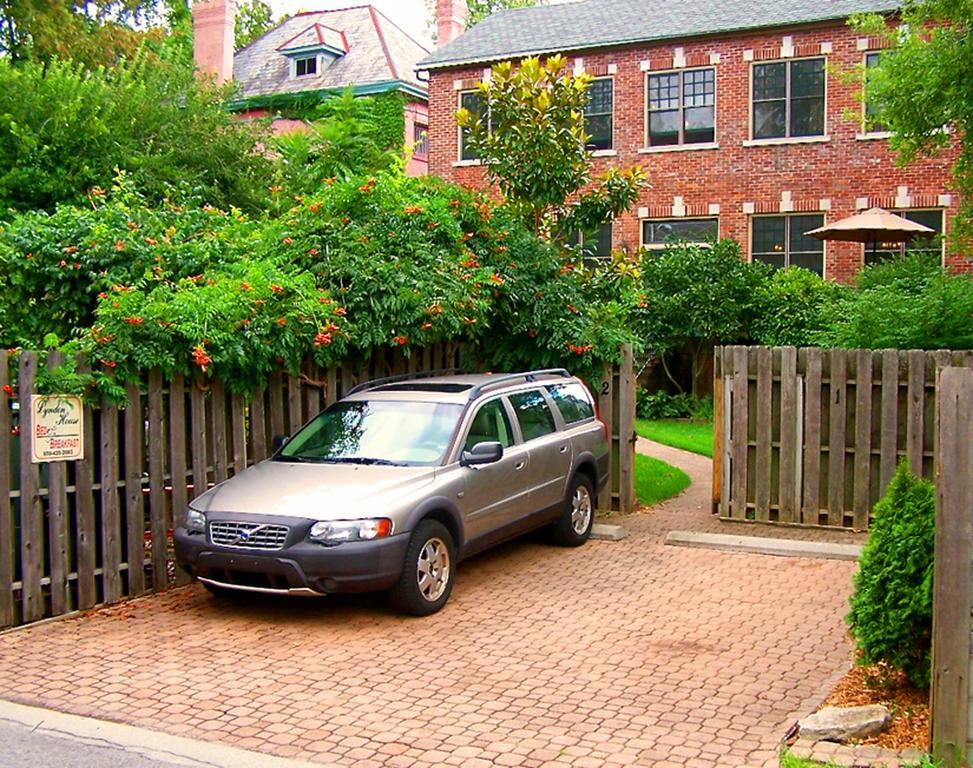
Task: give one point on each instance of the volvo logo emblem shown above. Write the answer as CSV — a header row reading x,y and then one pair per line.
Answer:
x,y
244,534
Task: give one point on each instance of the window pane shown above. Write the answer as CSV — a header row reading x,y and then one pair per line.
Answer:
x,y
698,125
664,128
490,425
873,109
420,139
474,104
805,251
768,233
572,401
811,261
599,97
931,219
807,117
769,81
807,78
533,414
660,232
306,66
664,91
699,88
769,119
599,130
597,244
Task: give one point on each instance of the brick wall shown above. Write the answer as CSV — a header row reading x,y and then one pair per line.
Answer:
x,y
836,177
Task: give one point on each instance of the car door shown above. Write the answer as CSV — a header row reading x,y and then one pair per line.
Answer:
x,y
494,493
549,448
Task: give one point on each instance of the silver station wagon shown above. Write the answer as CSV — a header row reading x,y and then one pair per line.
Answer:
x,y
389,488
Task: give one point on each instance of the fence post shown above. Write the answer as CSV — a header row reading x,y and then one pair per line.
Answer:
x,y
626,431
950,692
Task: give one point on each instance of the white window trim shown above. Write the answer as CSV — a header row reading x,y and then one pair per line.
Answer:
x,y
752,142
663,246
865,134
646,147
824,243
612,150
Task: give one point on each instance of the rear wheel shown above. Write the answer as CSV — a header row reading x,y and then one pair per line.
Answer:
x,y
427,575
574,527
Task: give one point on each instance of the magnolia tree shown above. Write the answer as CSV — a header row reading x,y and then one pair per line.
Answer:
x,y
530,135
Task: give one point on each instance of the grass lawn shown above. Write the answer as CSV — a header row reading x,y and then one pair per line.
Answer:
x,y
657,481
695,436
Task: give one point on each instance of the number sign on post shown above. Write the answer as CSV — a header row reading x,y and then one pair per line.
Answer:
x,y
56,428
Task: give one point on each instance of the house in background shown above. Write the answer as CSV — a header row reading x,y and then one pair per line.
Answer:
x,y
732,108
315,55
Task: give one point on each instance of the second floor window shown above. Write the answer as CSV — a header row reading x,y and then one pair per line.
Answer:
x,y
788,99
682,107
598,113
305,66
780,241
473,103
873,109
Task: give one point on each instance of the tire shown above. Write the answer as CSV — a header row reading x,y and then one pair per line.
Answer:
x,y
574,527
427,574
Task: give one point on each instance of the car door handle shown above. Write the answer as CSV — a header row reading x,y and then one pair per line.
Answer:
x,y
520,465
562,449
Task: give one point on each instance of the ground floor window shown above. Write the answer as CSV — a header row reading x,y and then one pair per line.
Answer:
x,y
780,241
658,233
932,218
593,245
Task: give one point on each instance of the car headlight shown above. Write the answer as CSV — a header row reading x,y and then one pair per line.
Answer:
x,y
339,531
195,521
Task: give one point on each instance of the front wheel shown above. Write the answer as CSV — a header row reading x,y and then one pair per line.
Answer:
x,y
427,576
574,527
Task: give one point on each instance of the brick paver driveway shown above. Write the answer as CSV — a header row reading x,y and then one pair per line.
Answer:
x,y
625,653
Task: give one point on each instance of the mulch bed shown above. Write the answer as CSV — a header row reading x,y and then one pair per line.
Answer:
x,y
909,706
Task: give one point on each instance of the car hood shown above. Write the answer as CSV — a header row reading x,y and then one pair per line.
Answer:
x,y
315,491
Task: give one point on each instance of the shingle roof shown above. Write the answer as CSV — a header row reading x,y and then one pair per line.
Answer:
x,y
378,52
598,23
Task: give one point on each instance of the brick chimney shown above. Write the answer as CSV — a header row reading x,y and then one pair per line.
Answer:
x,y
213,36
450,20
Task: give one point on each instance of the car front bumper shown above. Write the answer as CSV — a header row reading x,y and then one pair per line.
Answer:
x,y
300,567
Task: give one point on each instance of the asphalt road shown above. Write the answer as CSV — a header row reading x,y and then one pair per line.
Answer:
x,y
24,748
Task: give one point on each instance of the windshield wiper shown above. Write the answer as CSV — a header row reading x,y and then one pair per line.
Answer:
x,y
361,460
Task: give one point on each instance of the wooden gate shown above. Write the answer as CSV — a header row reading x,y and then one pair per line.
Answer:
x,y
812,436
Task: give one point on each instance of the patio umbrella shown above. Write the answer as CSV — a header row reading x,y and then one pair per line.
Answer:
x,y
876,226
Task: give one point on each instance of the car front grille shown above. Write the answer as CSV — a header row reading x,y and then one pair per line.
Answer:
x,y
247,535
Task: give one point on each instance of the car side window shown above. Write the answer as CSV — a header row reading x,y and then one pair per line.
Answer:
x,y
572,401
536,419
490,425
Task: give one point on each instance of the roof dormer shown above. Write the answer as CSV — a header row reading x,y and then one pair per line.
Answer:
x,y
314,49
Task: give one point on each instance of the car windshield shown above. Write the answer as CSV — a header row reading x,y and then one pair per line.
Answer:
x,y
376,432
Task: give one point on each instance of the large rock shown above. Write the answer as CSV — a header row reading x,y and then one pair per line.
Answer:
x,y
844,724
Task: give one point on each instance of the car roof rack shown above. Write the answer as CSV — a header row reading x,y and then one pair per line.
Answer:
x,y
372,383
525,376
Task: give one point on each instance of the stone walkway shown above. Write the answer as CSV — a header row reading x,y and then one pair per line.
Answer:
x,y
613,654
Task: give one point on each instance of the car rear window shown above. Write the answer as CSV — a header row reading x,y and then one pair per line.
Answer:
x,y
536,419
573,401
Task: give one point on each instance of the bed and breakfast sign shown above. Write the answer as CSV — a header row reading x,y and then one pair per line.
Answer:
x,y
57,428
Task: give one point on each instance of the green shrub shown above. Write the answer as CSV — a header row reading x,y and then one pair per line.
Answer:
x,y
891,607
903,303
787,308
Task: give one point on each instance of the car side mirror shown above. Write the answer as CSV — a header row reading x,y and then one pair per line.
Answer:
x,y
278,442
481,453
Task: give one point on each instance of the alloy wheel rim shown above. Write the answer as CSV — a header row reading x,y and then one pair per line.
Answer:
x,y
432,571
580,510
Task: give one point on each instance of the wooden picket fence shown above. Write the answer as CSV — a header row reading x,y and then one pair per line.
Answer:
x,y
951,694
77,534
812,436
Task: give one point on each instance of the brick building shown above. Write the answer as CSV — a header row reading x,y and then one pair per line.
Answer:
x,y
734,109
